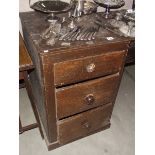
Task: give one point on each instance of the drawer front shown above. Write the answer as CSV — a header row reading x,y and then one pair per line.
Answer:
x,y
72,71
86,95
83,124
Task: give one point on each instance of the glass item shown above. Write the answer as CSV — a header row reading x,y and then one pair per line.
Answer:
x,y
52,7
130,15
84,7
123,23
53,30
110,4
79,8
52,33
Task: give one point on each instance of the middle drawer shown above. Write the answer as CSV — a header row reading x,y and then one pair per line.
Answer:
x,y
80,97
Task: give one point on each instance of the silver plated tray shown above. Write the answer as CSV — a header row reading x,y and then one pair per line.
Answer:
x,y
112,4
55,6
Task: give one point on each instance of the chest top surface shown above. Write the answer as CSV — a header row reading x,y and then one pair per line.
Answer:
x,y
34,24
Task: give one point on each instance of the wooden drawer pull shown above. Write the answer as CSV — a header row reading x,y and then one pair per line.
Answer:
x,y
90,68
90,99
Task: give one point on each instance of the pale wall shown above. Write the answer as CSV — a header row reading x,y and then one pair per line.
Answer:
x,y
24,5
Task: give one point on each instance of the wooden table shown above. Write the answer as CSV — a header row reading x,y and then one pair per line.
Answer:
x,y
26,65
74,86
25,62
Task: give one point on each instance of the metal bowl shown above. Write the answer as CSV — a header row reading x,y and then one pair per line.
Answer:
x,y
52,6
89,7
112,4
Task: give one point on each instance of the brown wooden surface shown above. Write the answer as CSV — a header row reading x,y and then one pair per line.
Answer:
x,y
54,145
84,123
75,98
28,127
49,76
31,21
36,28
50,59
25,64
50,100
130,59
76,70
21,76
20,127
25,61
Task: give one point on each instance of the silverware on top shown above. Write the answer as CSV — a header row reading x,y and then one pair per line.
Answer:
x,y
80,33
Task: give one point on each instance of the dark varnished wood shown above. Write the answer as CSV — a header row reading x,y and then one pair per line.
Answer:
x,y
55,81
21,76
49,93
20,127
47,66
130,59
84,123
76,70
56,144
25,65
74,99
28,127
25,62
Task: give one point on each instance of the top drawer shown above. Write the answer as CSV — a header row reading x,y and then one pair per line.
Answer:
x,y
76,70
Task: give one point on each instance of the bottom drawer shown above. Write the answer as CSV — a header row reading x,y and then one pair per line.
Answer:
x,y
84,123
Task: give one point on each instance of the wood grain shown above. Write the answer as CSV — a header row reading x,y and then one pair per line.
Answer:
x,y
73,99
76,70
25,61
84,123
61,79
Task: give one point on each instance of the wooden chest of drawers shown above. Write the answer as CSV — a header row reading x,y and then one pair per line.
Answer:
x,y
74,87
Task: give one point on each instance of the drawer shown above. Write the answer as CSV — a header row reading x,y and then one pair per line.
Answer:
x,y
84,124
77,70
83,96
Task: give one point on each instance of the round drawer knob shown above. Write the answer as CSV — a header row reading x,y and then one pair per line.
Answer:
x,y
90,68
89,99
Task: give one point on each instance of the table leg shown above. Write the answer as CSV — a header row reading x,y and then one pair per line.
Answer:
x,y
32,100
